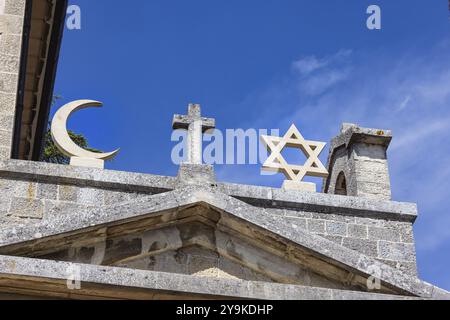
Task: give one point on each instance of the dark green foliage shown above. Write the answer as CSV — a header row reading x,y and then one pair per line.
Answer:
x,y
53,155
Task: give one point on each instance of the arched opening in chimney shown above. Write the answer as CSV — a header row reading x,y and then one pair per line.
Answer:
x,y
341,185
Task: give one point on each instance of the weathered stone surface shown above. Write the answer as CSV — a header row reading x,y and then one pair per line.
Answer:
x,y
83,177
357,231
116,197
10,44
404,266
196,174
47,191
234,208
68,193
396,251
307,206
336,228
14,7
27,208
297,222
366,247
388,234
102,277
7,104
8,83
337,239
90,196
54,209
357,163
9,63
12,24
316,226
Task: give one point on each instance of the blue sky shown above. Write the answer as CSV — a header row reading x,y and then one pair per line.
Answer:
x,y
267,64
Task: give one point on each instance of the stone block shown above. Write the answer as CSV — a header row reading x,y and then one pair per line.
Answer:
x,y
87,162
406,232
10,44
299,186
196,174
366,247
316,226
298,214
8,82
114,197
275,211
296,222
6,121
27,208
47,191
90,196
7,105
12,24
68,193
397,251
370,222
357,231
24,189
387,234
54,209
5,137
336,239
334,217
406,267
9,63
336,228
15,7
5,204
5,152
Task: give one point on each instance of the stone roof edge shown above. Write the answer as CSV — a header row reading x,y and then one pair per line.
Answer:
x,y
38,270
354,133
194,194
256,195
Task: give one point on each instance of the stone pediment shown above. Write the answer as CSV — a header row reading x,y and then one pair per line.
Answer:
x,y
200,232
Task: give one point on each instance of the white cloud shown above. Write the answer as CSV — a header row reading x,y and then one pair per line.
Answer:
x,y
404,103
307,65
321,82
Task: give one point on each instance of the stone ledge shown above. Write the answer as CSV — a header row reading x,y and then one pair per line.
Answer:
x,y
35,272
255,195
322,202
86,177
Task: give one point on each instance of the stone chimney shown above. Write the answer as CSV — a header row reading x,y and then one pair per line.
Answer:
x,y
358,164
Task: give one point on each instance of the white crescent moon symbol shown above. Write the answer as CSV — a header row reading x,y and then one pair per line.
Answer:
x,y
61,137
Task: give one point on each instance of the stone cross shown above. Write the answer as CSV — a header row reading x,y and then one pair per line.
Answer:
x,y
195,126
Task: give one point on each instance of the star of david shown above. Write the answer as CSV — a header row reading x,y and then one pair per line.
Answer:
x,y
294,139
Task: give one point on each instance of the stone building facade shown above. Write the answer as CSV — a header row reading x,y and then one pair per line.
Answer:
x,y
140,236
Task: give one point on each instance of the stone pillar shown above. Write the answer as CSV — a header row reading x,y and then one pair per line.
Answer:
x,y
358,164
11,24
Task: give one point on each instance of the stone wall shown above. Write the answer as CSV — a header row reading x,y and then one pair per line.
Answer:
x,y
388,241
30,192
11,25
26,201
